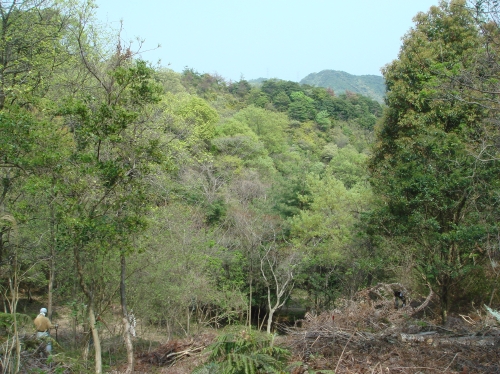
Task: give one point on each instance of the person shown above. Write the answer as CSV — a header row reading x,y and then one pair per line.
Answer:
x,y
43,325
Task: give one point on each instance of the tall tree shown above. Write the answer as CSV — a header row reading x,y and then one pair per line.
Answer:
x,y
111,157
435,192
35,47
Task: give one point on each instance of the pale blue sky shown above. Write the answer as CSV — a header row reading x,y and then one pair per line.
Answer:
x,y
286,39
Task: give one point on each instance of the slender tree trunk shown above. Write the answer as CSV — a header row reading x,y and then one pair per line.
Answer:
x,y
96,339
283,286
52,261
91,312
272,309
444,302
14,290
126,325
270,320
494,288
52,269
75,319
250,306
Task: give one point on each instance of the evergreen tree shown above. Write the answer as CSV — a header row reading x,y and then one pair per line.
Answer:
x,y
436,195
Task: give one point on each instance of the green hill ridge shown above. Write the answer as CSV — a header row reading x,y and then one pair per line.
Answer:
x,y
372,86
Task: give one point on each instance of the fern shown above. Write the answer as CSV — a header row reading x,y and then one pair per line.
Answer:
x,y
244,353
7,321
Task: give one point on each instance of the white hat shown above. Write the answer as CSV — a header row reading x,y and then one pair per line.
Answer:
x,y
43,311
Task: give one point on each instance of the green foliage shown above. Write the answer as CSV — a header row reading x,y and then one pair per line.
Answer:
x,y
236,138
436,195
281,101
291,183
205,85
349,166
32,38
240,89
268,126
327,225
258,98
274,87
190,120
245,353
7,322
169,80
323,120
216,211
302,107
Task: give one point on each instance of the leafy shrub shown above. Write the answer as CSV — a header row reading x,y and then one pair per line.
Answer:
x,y
244,353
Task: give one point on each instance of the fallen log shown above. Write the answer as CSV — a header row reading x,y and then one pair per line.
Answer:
x,y
433,338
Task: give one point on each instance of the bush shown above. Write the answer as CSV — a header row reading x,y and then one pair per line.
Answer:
x,y
243,353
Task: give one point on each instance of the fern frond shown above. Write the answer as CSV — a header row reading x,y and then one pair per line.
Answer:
x,y
246,353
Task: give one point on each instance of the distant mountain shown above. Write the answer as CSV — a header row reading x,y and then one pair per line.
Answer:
x,y
339,81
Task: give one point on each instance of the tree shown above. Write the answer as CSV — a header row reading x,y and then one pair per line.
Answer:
x,y
268,126
301,107
349,166
435,193
32,48
35,44
112,154
325,231
188,269
277,266
240,89
322,120
281,101
476,83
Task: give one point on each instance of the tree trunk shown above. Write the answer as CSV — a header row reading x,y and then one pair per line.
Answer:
x,y
52,270
52,261
250,307
91,313
444,302
14,290
270,319
126,324
96,339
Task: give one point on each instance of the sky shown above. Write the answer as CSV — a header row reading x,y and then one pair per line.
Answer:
x,y
250,39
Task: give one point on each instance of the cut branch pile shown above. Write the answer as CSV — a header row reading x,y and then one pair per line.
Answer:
x,y
368,334
168,354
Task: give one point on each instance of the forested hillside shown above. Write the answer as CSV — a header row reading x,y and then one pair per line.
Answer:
x,y
196,201
372,86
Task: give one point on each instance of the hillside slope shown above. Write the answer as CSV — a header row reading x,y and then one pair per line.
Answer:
x,y
368,85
